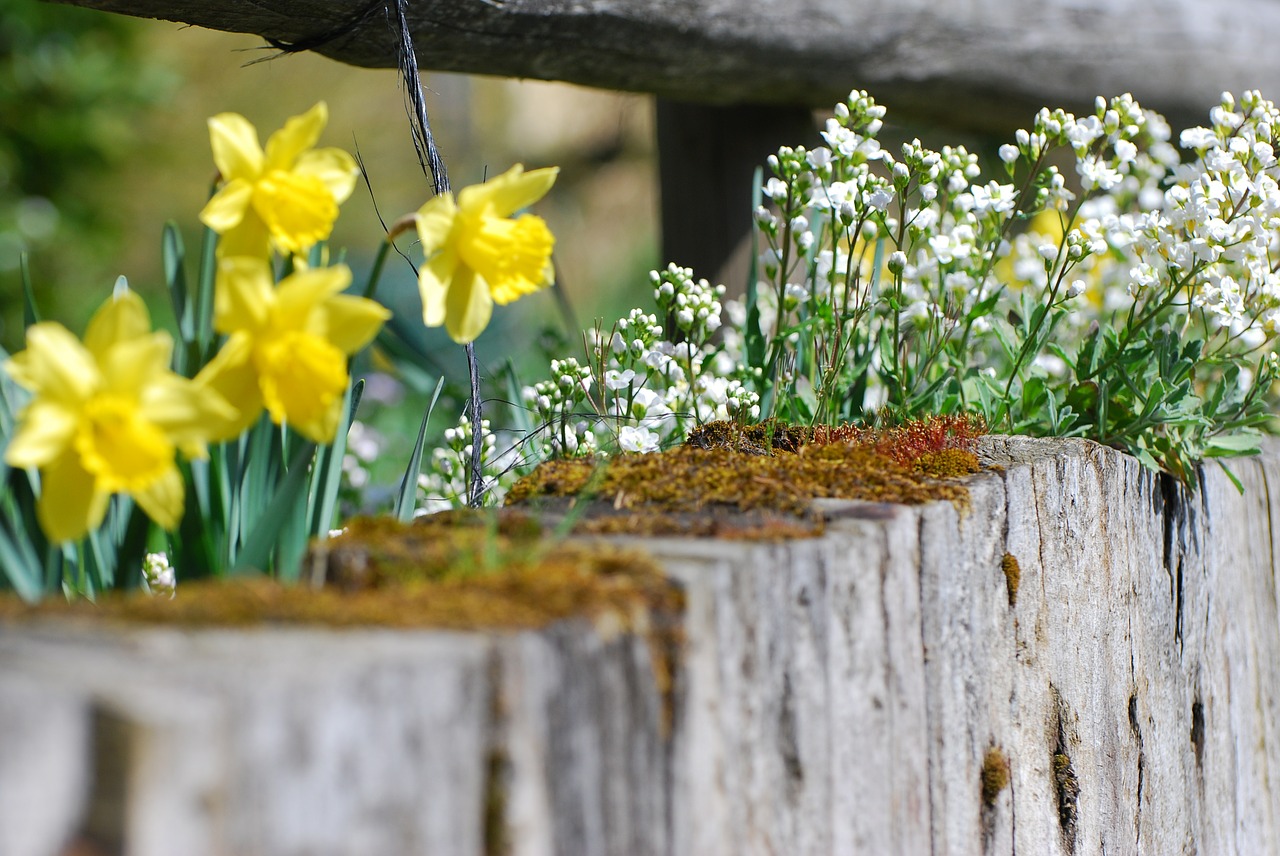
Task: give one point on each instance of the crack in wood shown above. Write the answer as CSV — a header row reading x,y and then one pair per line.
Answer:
x,y
1066,786
1136,727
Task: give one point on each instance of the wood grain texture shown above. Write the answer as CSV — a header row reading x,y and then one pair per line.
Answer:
x,y
842,694
983,63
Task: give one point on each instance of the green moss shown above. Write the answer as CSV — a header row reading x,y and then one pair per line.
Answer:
x,y
995,775
468,572
1012,576
947,463
772,469
764,438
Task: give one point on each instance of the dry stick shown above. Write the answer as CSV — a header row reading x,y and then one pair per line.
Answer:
x,y
433,166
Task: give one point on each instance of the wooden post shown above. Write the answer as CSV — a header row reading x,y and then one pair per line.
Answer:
x,y
707,155
890,687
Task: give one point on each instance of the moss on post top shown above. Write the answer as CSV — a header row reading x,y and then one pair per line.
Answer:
x,y
774,470
448,571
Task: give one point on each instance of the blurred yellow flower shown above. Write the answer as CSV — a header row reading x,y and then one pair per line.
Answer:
x,y
287,195
107,417
478,254
287,344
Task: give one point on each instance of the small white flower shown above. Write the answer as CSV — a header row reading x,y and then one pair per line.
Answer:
x,y
615,379
1198,138
775,188
638,439
158,578
880,198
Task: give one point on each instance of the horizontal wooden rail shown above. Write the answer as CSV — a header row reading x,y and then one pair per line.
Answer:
x,y
983,64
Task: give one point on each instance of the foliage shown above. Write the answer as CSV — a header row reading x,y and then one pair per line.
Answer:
x,y
72,84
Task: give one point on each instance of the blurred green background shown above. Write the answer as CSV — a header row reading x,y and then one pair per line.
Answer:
x,y
103,140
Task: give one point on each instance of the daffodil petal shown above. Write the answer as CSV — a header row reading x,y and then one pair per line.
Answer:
x,y
45,431
129,366
185,409
236,150
468,306
226,209
300,296
298,134
433,285
162,498
435,221
509,192
70,503
233,377
334,167
244,295
250,238
352,322
120,319
55,364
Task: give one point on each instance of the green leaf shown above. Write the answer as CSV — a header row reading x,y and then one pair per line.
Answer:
x,y
1235,480
520,413
173,256
409,484
322,499
265,535
754,336
205,282
1239,443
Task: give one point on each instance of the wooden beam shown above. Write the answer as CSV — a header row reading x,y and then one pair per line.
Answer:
x,y
984,64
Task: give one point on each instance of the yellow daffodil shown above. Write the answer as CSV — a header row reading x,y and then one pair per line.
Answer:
x,y
287,195
107,417
287,345
478,254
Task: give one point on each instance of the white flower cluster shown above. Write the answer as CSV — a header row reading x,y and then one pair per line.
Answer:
x,y
694,305
643,389
852,222
1201,235
443,484
158,578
